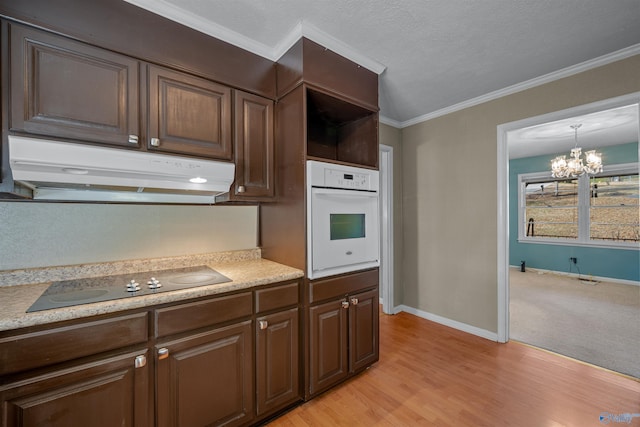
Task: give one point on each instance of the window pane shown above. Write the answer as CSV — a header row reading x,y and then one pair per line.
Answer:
x,y
551,209
614,210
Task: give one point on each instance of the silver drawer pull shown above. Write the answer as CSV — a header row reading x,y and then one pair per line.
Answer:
x,y
155,142
354,301
264,324
133,139
163,353
140,361
345,304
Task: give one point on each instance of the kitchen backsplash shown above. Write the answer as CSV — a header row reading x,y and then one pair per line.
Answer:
x,y
55,234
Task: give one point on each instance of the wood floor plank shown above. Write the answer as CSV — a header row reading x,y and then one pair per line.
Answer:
x,y
432,375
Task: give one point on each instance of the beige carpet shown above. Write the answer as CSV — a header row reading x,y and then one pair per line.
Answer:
x,y
596,323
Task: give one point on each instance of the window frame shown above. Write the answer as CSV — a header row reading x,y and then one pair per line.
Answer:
x,y
584,238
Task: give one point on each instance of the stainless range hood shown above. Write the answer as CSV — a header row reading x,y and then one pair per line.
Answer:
x,y
62,171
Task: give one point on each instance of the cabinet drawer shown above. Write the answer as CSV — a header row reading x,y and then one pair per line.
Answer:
x,y
323,289
185,317
50,346
277,297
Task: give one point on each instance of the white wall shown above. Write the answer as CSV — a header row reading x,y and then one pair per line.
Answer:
x,y
49,234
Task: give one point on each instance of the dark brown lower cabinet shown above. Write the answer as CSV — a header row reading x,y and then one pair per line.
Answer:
x,y
206,379
363,330
277,361
344,338
205,370
343,333
107,392
328,344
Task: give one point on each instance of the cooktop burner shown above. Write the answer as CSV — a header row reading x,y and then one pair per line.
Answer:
x,y
68,293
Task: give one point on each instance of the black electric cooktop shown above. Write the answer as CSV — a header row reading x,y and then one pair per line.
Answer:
x,y
68,293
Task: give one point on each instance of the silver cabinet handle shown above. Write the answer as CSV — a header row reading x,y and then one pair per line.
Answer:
x,y
163,353
264,324
133,139
241,189
345,304
140,361
354,301
155,142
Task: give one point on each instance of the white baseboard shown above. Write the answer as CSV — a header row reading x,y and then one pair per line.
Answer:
x,y
483,333
582,276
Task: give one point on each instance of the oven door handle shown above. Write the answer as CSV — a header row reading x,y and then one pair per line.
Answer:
x,y
344,193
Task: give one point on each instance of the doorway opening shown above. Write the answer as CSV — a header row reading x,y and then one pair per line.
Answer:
x,y
503,132
386,229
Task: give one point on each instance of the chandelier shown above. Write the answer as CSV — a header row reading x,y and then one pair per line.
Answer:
x,y
573,167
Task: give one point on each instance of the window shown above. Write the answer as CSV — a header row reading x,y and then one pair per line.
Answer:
x,y
601,210
551,208
613,208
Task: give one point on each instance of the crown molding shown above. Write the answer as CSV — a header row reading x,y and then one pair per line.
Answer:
x,y
287,42
189,19
528,84
313,33
302,29
389,121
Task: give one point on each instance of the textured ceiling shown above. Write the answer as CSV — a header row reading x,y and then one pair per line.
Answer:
x,y
599,129
437,53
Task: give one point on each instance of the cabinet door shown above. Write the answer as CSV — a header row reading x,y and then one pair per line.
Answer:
x,y
206,379
188,115
277,360
253,147
363,330
63,88
328,344
109,392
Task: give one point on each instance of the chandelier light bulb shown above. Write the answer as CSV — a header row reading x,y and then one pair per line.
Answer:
x,y
574,167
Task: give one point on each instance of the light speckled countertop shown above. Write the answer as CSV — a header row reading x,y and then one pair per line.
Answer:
x,y
19,289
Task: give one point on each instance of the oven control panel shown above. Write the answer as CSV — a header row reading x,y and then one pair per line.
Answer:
x,y
341,179
330,175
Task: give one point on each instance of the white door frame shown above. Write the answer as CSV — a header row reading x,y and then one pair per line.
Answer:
x,y
503,191
386,229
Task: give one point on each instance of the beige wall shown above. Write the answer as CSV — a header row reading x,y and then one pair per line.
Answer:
x,y
48,234
391,137
449,173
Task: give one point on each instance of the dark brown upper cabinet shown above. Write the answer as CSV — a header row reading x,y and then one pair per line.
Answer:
x,y
253,148
311,63
66,89
188,115
131,30
341,131
340,104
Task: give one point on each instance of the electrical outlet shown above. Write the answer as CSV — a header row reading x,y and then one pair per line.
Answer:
x,y
573,260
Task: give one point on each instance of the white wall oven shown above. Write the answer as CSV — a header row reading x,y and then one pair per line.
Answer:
x,y
342,219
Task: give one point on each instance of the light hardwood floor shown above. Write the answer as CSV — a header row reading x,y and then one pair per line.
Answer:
x,y
432,375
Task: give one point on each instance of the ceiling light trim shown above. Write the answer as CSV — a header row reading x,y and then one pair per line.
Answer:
x,y
528,84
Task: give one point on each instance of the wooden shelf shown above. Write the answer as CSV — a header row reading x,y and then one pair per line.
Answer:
x,y
341,131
